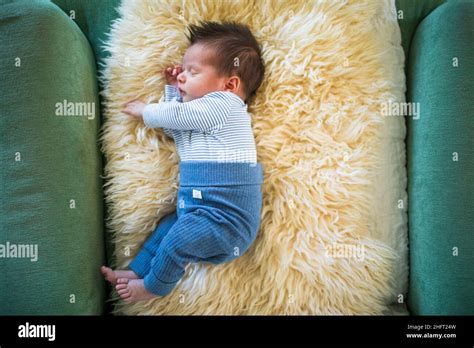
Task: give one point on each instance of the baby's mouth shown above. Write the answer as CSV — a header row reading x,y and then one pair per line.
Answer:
x,y
181,92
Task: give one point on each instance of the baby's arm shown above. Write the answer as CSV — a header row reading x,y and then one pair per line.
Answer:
x,y
171,93
203,114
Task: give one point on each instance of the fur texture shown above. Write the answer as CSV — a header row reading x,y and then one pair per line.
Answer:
x,y
320,136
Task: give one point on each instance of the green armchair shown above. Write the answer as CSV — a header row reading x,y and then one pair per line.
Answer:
x,y
51,182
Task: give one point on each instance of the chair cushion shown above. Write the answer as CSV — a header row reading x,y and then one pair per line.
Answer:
x,y
441,163
410,13
51,165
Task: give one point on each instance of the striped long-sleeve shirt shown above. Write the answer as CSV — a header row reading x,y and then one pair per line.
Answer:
x,y
215,127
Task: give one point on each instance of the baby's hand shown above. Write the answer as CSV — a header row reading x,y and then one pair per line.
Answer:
x,y
134,108
171,75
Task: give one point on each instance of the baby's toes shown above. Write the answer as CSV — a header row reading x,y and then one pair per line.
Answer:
x,y
125,294
119,287
123,291
122,281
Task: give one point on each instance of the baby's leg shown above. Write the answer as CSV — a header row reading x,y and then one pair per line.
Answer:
x,y
140,265
165,269
196,236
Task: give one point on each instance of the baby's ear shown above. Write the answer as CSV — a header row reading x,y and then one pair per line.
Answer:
x,y
233,83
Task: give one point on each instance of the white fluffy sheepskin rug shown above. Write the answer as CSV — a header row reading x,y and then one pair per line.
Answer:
x,y
333,228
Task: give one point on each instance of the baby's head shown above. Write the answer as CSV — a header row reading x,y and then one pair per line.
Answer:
x,y
221,57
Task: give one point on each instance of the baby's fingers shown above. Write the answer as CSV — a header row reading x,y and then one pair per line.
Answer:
x,y
167,72
130,102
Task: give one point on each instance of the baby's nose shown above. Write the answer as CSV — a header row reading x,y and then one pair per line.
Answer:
x,y
180,77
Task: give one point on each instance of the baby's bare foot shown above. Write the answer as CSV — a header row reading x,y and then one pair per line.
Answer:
x,y
133,290
111,276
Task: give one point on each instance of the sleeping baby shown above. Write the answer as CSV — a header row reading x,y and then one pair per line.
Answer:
x,y
219,198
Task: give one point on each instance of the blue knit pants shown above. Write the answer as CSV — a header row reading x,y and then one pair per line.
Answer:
x,y
216,220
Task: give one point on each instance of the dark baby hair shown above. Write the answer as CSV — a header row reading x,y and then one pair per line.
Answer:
x,y
236,51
